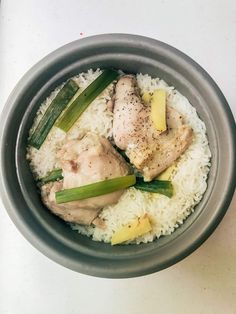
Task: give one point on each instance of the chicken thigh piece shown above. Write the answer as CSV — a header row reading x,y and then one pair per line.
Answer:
x,y
85,161
150,151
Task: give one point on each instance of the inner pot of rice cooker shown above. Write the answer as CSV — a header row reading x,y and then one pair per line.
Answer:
x,y
52,236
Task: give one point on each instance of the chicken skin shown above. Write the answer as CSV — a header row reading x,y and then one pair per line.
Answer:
x,y
85,161
150,151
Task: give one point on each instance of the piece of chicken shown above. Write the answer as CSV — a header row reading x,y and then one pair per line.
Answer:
x,y
85,161
133,130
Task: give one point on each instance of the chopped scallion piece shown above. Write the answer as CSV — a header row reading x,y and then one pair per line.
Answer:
x,y
80,104
95,189
156,186
52,176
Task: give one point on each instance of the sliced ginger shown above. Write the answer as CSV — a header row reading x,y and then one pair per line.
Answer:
x,y
158,109
132,230
166,174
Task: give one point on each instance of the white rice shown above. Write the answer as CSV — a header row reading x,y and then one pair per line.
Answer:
x,y
189,178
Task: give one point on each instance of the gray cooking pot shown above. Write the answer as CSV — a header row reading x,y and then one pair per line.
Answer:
x,y
51,235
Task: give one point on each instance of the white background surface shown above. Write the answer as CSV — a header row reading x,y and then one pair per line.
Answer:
x,y
204,282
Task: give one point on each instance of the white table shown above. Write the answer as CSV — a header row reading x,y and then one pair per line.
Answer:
x,y
205,282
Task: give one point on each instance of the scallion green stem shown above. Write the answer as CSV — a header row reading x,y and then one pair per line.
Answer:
x,y
95,189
